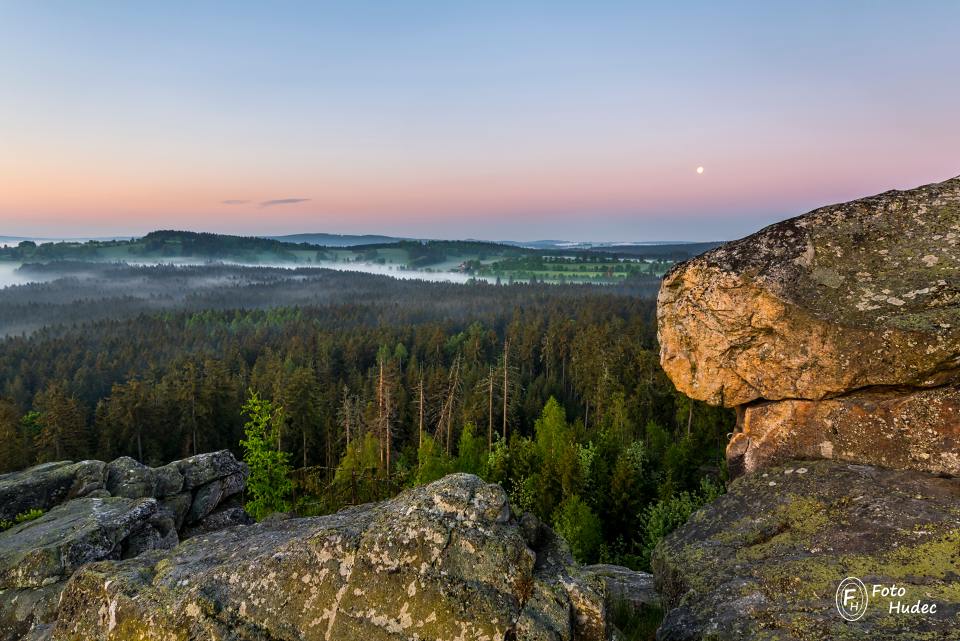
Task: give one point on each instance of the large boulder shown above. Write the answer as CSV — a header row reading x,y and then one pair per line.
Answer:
x,y
443,561
849,296
203,468
766,560
836,333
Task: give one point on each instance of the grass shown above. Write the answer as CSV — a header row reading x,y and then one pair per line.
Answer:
x,y
23,517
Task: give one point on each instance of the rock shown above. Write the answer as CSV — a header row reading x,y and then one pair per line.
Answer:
x,y
847,297
208,496
916,430
144,539
623,585
23,611
97,511
441,561
44,486
219,520
50,548
176,507
203,468
169,480
131,479
766,559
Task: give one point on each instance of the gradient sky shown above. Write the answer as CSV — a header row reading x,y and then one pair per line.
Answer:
x,y
495,119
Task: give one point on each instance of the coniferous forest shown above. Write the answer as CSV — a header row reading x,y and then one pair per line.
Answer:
x,y
554,391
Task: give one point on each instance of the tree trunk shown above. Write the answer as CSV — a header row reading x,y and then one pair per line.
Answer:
x,y
506,384
490,412
387,432
380,411
420,434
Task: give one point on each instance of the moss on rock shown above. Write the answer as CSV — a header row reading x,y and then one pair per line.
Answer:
x,y
764,561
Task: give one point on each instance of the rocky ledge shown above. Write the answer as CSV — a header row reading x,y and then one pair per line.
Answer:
x,y
765,560
92,511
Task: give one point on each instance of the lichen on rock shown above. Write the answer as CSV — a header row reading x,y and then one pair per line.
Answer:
x,y
443,561
765,560
95,511
843,298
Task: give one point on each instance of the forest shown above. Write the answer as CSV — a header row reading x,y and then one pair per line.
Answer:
x,y
554,391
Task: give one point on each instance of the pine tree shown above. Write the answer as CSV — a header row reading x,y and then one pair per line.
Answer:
x,y
12,451
63,431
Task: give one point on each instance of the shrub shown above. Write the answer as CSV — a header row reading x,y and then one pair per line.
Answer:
x,y
576,522
666,515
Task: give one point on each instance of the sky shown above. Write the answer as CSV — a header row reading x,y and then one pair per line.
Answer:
x,y
443,119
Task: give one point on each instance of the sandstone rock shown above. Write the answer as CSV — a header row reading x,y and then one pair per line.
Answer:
x,y
849,296
44,486
905,430
169,480
765,560
441,561
97,511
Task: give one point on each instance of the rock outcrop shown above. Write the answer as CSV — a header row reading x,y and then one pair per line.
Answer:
x,y
765,560
837,337
94,511
443,561
811,324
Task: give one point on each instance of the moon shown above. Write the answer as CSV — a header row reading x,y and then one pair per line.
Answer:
x,y
699,170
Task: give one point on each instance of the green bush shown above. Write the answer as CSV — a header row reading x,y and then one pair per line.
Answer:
x,y
576,522
666,515
433,463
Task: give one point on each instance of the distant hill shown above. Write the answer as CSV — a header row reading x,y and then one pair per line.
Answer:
x,y
618,247
337,240
672,251
559,262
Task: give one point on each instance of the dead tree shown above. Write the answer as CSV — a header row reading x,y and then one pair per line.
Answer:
x,y
444,429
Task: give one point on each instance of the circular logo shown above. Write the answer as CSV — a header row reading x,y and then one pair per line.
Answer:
x,y
852,598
